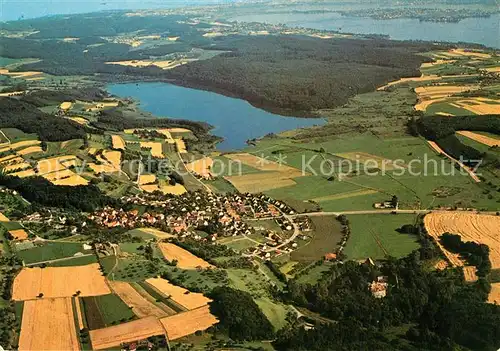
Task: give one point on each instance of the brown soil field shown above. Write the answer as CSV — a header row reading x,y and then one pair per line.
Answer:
x,y
494,296
260,182
483,139
188,323
140,305
114,336
59,282
19,234
471,227
464,167
118,142
201,166
48,324
156,148
185,259
182,296
470,273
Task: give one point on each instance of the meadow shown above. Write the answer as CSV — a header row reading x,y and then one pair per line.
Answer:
x,y
375,236
50,251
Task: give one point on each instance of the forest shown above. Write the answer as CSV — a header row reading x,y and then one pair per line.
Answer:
x,y
431,310
28,118
297,73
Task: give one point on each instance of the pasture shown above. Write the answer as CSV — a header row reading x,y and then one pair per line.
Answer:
x,y
326,236
51,251
375,236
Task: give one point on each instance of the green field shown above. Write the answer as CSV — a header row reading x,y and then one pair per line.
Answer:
x,y
50,251
375,236
106,310
275,312
325,239
77,261
16,135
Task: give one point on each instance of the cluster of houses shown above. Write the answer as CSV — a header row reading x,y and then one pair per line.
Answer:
x,y
218,215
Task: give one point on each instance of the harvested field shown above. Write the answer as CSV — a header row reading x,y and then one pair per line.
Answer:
x,y
48,324
8,158
438,149
66,105
24,174
480,107
118,142
16,167
423,78
59,282
188,323
177,189
23,144
150,188
19,234
114,336
53,164
185,259
30,150
201,167
65,173
103,168
494,296
113,157
140,305
471,227
180,295
470,273
439,91
259,182
156,148
155,232
483,139
74,180
147,179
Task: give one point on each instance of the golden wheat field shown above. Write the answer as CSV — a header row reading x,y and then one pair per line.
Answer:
x,y
480,228
147,179
25,173
201,166
48,324
177,189
114,336
19,234
182,296
53,164
3,218
187,323
156,148
480,106
74,180
66,105
483,139
118,142
30,150
185,259
113,157
141,306
470,273
59,282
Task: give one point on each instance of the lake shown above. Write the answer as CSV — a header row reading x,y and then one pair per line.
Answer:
x,y
233,119
484,31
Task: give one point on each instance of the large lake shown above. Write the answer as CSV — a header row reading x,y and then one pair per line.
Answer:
x,y
235,120
484,31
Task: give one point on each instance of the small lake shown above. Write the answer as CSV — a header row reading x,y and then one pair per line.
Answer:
x,y
484,31
233,119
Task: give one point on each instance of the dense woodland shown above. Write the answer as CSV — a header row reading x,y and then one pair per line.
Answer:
x,y
28,118
300,73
